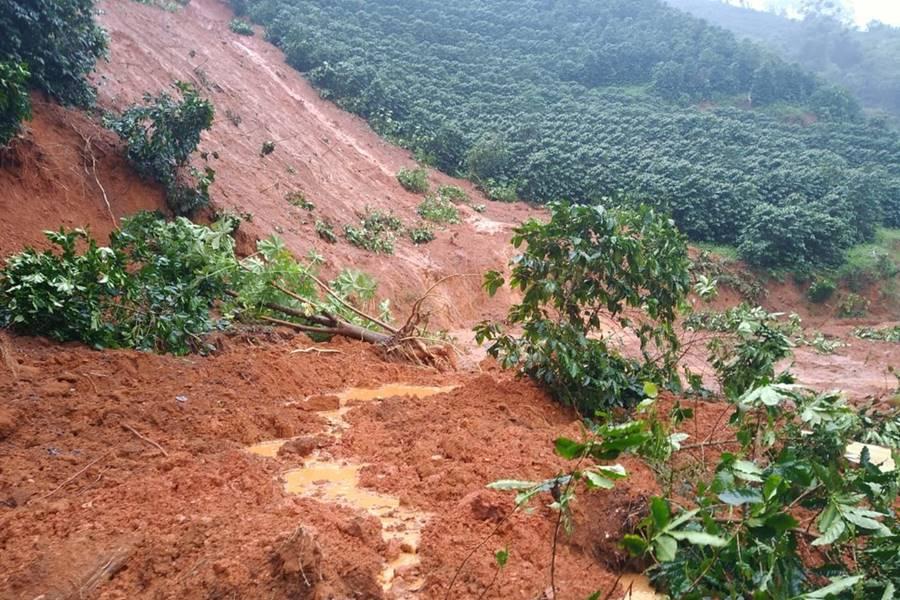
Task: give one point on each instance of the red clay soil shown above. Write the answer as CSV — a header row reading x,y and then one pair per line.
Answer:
x,y
331,156
124,475
47,178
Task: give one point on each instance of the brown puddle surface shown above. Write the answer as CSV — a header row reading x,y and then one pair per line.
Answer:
x,y
335,481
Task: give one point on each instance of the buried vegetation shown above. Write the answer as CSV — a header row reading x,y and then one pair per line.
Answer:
x,y
163,286
776,506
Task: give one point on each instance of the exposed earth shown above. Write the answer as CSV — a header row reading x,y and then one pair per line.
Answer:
x,y
130,475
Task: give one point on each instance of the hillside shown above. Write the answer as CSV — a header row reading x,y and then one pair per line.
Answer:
x,y
262,462
583,100
865,62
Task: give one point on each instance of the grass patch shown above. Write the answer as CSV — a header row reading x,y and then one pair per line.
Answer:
x,y
867,264
725,252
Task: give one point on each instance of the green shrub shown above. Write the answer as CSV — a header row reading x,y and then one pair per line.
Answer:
x,y
151,289
58,43
375,232
15,105
499,192
754,342
421,235
585,267
787,487
414,180
821,290
853,305
779,236
325,230
268,147
437,209
298,198
240,27
453,193
161,136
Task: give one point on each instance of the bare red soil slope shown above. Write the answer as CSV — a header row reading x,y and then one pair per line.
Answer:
x,y
332,157
55,175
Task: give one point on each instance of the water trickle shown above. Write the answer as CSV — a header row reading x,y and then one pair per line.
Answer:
x,y
335,481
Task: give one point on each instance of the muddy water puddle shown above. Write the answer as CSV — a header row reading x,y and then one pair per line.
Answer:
x,y
338,482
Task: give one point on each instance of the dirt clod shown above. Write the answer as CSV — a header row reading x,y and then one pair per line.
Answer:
x,y
297,564
321,403
300,447
8,420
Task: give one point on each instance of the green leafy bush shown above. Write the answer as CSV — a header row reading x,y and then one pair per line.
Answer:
x,y
298,198
161,135
240,27
586,267
325,231
853,305
15,105
376,232
421,235
453,193
821,290
152,288
792,235
741,537
413,180
499,192
438,209
754,341
58,43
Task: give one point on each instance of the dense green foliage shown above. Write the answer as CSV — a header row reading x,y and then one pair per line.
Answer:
x,y
57,41
421,234
586,267
742,540
438,209
152,288
50,45
161,135
579,100
160,286
863,61
14,104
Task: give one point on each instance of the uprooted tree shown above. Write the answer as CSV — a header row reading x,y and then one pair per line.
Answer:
x,y
161,286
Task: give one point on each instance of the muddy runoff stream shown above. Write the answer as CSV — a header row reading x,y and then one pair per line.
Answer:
x,y
337,481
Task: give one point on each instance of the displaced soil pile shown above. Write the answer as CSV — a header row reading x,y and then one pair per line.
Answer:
x,y
130,475
280,468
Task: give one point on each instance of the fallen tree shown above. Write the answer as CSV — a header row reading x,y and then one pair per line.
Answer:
x,y
162,285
